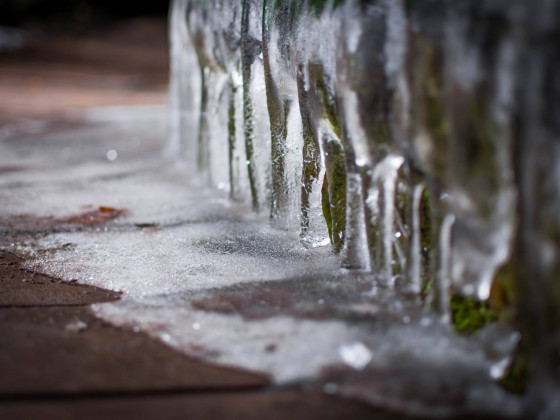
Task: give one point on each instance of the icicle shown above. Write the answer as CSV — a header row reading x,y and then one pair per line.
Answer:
x,y
250,49
380,210
414,265
183,88
356,250
389,167
441,299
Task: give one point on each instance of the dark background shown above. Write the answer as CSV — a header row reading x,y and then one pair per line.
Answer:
x,y
64,15
62,56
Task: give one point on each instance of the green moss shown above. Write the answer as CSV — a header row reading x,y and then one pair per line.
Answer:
x,y
317,6
519,373
326,205
469,315
503,294
426,240
336,175
436,120
403,208
231,140
505,302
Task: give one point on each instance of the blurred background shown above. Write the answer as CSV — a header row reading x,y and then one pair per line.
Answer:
x,y
66,55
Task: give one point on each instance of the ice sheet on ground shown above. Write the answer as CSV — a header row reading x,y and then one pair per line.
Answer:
x,y
180,239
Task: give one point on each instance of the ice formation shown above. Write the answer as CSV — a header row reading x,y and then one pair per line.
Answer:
x,y
340,128
392,130
418,138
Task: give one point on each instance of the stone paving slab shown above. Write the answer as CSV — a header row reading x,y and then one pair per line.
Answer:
x,y
52,344
292,404
67,350
21,287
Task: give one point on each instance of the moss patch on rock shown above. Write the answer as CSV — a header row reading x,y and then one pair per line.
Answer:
x,y
469,315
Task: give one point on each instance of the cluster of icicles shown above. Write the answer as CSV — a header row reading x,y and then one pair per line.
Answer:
x,y
367,125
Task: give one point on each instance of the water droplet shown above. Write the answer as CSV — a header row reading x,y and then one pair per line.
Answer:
x,y
321,302
196,326
498,370
112,155
398,235
355,355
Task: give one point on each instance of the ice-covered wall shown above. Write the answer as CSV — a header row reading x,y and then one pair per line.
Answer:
x,y
421,138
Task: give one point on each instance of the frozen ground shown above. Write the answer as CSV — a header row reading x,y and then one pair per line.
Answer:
x,y
91,199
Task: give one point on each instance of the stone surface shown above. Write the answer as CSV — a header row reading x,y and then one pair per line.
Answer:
x,y
247,405
49,351
22,287
52,344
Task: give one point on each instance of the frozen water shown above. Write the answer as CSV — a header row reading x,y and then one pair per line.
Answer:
x,y
180,243
366,125
112,155
356,355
